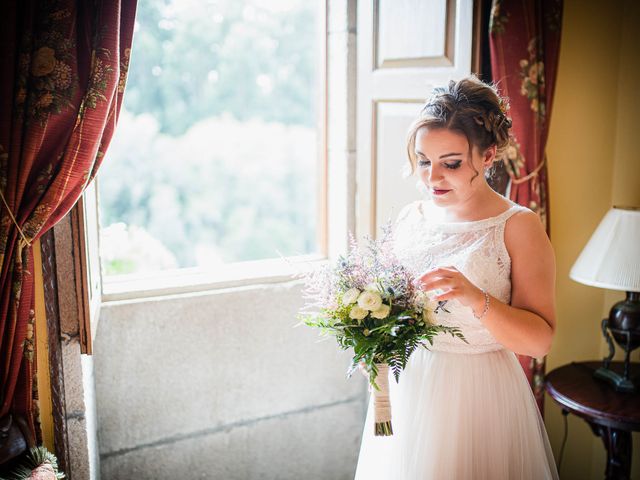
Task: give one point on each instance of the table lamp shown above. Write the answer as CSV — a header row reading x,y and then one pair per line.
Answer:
x,y
611,259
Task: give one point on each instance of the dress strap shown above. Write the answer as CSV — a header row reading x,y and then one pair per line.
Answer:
x,y
501,220
499,231
515,208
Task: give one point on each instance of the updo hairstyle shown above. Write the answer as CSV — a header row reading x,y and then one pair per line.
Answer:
x,y
470,107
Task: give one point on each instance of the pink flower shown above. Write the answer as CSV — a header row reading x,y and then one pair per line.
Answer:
x,y
43,472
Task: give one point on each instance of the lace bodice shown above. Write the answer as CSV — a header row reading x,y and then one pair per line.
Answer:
x,y
475,248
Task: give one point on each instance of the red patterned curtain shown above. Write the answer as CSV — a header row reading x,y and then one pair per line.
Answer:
x,y
524,38
64,66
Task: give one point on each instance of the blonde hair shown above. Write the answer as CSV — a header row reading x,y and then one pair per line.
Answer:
x,y
470,107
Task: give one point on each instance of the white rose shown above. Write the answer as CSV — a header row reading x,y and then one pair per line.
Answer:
x,y
370,300
350,296
428,316
357,313
382,312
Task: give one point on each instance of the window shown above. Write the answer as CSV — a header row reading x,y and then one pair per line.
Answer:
x,y
218,151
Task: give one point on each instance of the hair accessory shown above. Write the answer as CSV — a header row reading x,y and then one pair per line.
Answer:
x,y
486,305
504,105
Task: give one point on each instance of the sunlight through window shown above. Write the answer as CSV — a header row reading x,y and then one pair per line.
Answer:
x,y
215,158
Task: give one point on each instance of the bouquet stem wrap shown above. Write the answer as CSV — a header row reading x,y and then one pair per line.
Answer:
x,y
381,402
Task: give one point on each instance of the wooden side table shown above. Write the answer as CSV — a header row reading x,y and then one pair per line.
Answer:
x,y
611,415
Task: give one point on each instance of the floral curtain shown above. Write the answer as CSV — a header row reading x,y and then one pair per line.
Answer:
x,y
64,66
524,38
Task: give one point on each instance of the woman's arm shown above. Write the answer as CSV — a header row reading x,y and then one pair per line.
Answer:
x,y
527,325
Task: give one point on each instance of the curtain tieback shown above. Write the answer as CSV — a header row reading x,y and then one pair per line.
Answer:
x,y
531,175
24,238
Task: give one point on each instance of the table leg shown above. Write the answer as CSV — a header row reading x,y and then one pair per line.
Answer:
x,y
618,445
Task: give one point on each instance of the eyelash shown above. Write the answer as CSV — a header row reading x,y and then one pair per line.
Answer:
x,y
451,166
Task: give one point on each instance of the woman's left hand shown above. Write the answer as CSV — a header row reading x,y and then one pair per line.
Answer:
x,y
453,284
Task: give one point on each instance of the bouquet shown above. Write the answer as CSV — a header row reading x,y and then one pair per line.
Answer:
x,y
370,302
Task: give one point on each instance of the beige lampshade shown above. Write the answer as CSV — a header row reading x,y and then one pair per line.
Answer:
x,y
611,258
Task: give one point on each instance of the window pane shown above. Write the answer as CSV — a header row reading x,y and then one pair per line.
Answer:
x,y
215,157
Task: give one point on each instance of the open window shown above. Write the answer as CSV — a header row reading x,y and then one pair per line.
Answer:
x,y
217,168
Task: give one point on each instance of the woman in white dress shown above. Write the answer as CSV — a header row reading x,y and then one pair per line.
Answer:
x,y
466,411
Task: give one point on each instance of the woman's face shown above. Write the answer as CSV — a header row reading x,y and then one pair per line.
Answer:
x,y
446,169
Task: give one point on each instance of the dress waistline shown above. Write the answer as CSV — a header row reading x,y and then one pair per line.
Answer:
x,y
465,348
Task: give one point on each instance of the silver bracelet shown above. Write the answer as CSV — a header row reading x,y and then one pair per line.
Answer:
x,y
486,305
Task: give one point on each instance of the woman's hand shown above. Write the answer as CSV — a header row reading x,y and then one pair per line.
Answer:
x,y
453,284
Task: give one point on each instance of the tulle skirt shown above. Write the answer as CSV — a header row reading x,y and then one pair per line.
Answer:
x,y
459,416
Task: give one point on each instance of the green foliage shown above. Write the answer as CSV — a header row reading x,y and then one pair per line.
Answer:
x,y
225,191
391,340
119,266
214,157
253,59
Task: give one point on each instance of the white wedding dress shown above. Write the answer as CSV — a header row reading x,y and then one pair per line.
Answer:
x,y
460,411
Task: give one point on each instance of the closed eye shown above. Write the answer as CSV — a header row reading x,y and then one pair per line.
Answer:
x,y
453,165
450,165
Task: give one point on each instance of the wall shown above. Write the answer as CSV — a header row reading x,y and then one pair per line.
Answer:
x,y
593,164
626,172
219,385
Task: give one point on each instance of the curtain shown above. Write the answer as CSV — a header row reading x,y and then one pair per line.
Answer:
x,y
64,66
524,37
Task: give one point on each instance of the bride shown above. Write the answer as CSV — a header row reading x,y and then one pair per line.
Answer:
x,y
466,411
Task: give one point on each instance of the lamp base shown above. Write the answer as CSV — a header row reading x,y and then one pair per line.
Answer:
x,y
620,384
